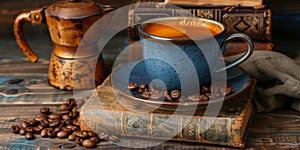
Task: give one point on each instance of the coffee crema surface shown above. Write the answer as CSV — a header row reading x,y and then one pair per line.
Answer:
x,y
182,29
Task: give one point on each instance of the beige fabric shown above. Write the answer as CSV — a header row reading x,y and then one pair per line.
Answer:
x,y
278,79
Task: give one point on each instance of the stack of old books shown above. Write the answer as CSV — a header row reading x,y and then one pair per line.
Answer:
x,y
251,17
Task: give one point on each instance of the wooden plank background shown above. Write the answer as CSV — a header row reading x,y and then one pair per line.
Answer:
x,y
275,130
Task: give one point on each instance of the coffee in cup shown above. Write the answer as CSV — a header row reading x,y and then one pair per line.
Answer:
x,y
175,29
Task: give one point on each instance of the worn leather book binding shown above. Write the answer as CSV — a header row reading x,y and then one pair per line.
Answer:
x,y
253,21
103,113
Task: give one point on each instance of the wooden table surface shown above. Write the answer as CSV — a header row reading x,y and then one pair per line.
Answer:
x,y
272,130
279,129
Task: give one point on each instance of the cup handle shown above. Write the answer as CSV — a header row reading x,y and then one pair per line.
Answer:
x,y
245,56
35,17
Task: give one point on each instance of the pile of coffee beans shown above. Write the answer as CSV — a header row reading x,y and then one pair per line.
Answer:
x,y
61,125
206,93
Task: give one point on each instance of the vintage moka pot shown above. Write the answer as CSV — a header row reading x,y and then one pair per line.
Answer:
x,y
67,23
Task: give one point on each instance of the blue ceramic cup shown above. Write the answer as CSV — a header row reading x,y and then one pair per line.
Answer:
x,y
191,59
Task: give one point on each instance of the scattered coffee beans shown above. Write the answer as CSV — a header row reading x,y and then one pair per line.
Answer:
x,y
15,129
45,110
132,86
63,125
206,93
88,143
29,136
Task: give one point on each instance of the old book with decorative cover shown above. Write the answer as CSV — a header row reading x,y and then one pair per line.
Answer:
x,y
253,21
108,115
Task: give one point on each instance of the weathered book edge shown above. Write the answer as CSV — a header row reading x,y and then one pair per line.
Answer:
x,y
236,126
233,17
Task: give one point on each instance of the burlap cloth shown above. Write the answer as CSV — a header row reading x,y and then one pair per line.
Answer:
x,y
278,79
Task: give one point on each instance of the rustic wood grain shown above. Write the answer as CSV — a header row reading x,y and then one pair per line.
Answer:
x,y
274,130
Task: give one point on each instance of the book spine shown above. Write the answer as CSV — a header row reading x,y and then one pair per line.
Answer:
x,y
223,131
254,22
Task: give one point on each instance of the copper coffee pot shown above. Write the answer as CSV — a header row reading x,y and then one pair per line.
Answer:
x,y
67,23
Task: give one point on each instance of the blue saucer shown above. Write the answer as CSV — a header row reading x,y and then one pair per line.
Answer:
x,y
134,72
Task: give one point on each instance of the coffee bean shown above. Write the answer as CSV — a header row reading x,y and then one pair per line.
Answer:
x,y
76,131
72,127
205,89
44,132
37,130
55,116
175,94
144,86
29,129
82,134
15,129
140,91
92,134
132,86
79,141
22,131
29,136
65,112
96,139
228,90
69,122
51,133
44,122
76,122
24,124
45,110
72,137
207,94
40,117
54,123
65,106
62,134
203,97
71,101
74,114
57,129
146,95
66,129
33,123
75,109
167,96
198,97
88,143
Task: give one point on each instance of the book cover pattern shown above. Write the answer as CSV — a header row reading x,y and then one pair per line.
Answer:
x,y
254,22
